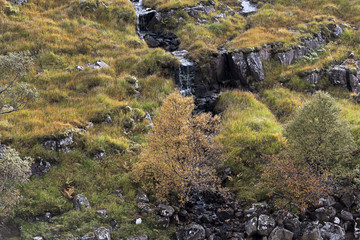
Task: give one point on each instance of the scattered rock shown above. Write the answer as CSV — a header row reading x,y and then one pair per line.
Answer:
x,y
265,225
332,231
80,202
280,233
165,210
142,197
40,167
138,238
191,232
102,213
251,226
138,221
102,234
98,65
19,2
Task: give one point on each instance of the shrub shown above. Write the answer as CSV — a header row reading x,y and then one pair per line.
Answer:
x,y
13,171
318,136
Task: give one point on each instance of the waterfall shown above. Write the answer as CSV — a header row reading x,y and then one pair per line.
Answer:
x,y
248,7
186,73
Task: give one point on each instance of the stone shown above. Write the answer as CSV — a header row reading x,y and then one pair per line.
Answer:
x,y
337,31
346,216
313,78
81,202
332,231
148,20
163,222
119,193
191,232
18,2
224,214
165,210
79,68
239,68
102,213
347,199
338,76
152,42
265,53
325,214
40,167
255,66
38,238
312,234
354,84
292,223
251,226
98,65
286,58
265,225
142,197
102,233
280,233
138,221
146,208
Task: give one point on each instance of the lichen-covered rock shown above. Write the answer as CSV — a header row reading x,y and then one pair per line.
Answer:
x,y
255,66
81,202
265,225
102,233
280,233
332,231
338,76
191,232
98,65
166,210
286,58
251,226
312,233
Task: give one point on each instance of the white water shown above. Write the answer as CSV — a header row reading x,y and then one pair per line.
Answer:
x,y
248,7
186,72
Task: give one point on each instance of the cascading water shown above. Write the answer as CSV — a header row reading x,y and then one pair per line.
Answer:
x,y
248,7
186,71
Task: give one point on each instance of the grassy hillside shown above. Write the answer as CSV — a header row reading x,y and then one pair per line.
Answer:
x,y
60,35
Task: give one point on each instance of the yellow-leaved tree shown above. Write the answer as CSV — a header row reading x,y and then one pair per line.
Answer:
x,y
180,152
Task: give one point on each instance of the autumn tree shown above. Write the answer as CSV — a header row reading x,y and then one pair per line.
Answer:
x,y
318,136
293,186
180,152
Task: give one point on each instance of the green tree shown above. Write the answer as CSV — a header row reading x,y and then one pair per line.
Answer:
x,y
319,136
180,153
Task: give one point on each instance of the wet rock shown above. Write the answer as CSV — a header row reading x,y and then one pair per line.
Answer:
x,y
332,231
102,213
280,233
148,20
251,226
81,202
265,225
255,66
191,232
40,167
98,65
102,233
165,210
238,67
152,42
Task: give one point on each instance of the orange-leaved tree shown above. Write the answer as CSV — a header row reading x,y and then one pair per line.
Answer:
x,y
180,152
293,185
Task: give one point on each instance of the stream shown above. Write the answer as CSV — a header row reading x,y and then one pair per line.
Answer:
x,y
187,69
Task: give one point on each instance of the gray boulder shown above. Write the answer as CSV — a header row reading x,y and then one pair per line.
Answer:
x,y
251,226
191,232
313,78
142,197
280,233
332,231
312,234
165,210
98,65
80,202
102,213
338,76
286,58
238,67
265,225
346,216
255,66
325,214
19,2
337,31
102,233
265,53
